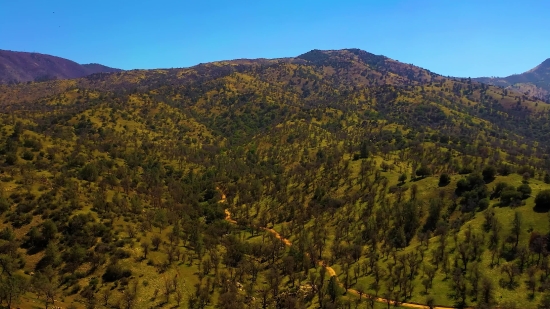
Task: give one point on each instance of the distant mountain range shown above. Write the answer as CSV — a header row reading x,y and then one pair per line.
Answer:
x,y
535,82
18,67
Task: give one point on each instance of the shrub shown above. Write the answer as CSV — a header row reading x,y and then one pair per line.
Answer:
x,y
116,272
489,173
510,196
483,204
525,191
4,205
423,171
505,169
27,155
542,201
89,172
444,180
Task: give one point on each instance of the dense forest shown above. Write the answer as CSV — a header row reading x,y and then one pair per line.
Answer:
x,y
336,179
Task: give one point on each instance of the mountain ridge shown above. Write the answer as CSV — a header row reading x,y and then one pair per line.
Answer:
x,y
534,82
19,67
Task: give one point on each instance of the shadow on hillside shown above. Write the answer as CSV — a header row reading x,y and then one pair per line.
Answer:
x,y
540,209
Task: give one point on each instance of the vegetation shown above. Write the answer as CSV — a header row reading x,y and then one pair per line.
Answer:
x,y
328,180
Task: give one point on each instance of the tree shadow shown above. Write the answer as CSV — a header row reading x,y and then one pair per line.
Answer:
x,y
508,285
539,209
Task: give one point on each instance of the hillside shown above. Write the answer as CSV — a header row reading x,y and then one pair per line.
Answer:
x,y
325,180
535,82
18,67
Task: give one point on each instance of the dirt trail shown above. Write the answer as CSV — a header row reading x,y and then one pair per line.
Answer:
x,y
329,269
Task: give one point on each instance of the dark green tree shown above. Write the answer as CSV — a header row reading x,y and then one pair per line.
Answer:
x,y
542,201
444,179
489,173
423,171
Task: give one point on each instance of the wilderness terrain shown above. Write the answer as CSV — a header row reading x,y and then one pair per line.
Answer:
x,y
333,179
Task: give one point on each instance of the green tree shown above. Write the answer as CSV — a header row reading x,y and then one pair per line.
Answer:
x,y
489,173
544,301
444,179
89,172
525,191
12,287
542,201
510,196
403,178
423,171
49,231
516,228
333,289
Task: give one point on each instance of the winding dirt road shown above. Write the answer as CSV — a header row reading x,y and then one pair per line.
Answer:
x,y
329,269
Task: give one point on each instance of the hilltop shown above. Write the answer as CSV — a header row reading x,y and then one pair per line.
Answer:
x,y
535,82
19,67
320,180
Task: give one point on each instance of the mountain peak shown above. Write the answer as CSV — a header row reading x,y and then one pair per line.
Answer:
x,y
17,67
543,66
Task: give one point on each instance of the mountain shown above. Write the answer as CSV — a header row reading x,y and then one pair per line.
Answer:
x,y
301,182
17,67
535,82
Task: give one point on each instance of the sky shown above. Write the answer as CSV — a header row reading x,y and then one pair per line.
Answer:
x,y
463,38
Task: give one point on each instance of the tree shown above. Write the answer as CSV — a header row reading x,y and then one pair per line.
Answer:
x,y
497,190
156,240
49,230
145,247
489,173
531,280
45,286
89,172
403,178
11,288
547,178
516,228
444,179
545,301
430,302
525,191
542,201
511,270
510,196
333,289
487,293
423,171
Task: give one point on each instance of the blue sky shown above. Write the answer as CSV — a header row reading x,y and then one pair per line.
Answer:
x,y
459,38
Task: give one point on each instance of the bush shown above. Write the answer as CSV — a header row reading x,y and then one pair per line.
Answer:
x,y
483,204
525,191
465,170
444,180
27,155
423,171
505,169
510,196
116,272
4,205
11,158
89,172
542,201
489,173
497,190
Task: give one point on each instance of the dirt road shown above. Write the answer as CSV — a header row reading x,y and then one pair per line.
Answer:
x,y
329,269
